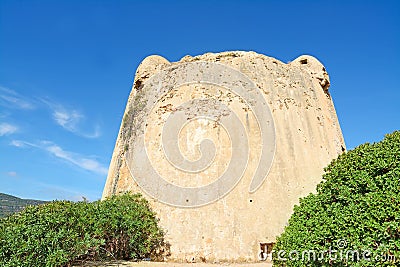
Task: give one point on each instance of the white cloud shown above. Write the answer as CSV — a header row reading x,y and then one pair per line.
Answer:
x,y
17,143
21,144
71,120
79,160
7,129
12,174
12,99
76,159
67,119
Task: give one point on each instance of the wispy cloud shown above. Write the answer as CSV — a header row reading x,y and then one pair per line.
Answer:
x,y
67,119
12,174
76,159
11,99
18,143
71,120
7,129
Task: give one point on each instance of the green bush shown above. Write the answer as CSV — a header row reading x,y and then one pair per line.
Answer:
x,y
356,210
61,232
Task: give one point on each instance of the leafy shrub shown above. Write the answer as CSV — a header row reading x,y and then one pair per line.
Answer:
x,y
60,232
356,210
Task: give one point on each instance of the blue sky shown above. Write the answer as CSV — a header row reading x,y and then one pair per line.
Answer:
x,y
66,70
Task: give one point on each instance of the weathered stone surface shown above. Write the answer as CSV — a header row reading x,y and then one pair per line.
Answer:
x,y
223,145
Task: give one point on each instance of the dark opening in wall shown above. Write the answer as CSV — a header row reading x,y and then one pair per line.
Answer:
x,y
303,61
266,251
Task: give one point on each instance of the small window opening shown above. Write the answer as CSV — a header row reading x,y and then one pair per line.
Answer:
x,y
303,61
266,251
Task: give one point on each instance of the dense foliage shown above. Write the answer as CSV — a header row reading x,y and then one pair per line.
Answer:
x,y
61,232
354,218
10,204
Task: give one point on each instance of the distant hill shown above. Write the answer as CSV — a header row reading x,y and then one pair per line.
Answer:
x,y
10,204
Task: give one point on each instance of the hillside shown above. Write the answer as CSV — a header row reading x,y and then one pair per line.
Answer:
x,y
10,204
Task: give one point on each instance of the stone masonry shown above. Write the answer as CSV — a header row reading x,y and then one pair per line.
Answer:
x,y
223,146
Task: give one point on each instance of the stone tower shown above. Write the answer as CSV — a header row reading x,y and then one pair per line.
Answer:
x,y
223,146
